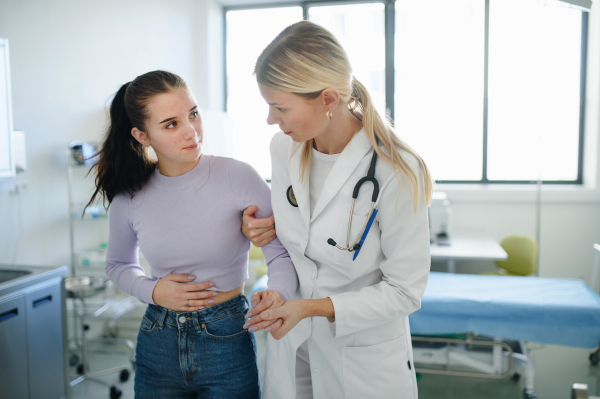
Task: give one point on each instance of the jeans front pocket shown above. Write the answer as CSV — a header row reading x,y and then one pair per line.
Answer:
x,y
228,327
149,323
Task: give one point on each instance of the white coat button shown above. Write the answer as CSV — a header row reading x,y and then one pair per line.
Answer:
x,y
182,319
305,237
312,276
317,371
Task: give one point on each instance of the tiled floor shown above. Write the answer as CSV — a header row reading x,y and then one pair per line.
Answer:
x,y
557,368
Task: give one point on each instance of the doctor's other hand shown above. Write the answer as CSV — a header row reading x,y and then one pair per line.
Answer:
x,y
259,231
173,293
285,317
261,301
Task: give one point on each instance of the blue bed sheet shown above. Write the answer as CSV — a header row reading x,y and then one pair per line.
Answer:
x,y
546,310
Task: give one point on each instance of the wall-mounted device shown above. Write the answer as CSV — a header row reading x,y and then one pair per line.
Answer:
x,y
7,161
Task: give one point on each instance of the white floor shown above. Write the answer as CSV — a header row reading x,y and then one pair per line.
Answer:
x,y
557,368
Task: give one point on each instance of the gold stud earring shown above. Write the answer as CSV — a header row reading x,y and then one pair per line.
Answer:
x,y
328,114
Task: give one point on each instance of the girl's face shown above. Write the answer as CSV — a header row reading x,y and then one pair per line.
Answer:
x,y
299,118
174,129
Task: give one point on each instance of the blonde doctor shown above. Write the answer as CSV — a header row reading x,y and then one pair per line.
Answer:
x,y
347,334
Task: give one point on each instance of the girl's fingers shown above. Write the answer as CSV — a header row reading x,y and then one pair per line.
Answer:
x,y
200,295
256,298
275,326
198,303
265,303
260,326
197,286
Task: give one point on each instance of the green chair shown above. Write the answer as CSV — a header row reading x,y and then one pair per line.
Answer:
x,y
522,256
257,254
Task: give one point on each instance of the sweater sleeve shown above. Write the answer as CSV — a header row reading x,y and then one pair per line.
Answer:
x,y
250,189
122,259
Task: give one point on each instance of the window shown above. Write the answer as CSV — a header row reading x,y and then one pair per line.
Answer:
x,y
534,89
487,91
439,84
360,30
248,33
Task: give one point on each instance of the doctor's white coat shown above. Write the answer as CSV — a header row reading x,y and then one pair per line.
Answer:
x,y
366,352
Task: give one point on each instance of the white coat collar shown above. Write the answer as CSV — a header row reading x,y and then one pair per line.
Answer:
x,y
345,165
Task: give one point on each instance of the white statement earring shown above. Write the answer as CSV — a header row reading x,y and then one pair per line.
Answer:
x,y
328,114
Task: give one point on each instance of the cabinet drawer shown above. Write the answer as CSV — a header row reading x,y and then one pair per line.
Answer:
x,y
13,349
45,342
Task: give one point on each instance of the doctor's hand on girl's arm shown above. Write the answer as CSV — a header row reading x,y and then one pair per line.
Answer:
x,y
259,231
172,293
261,301
286,317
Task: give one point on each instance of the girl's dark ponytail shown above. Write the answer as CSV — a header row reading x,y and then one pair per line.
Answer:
x,y
123,165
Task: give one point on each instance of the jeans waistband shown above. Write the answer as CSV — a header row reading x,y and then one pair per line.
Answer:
x,y
223,309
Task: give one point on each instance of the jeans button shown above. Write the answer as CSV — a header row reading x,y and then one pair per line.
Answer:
x,y
182,319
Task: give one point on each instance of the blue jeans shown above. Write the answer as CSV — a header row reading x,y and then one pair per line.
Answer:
x,y
204,354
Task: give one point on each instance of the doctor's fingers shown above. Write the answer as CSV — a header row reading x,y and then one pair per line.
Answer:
x,y
265,238
254,223
273,328
255,227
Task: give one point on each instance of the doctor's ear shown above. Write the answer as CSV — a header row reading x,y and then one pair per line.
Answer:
x,y
140,136
330,98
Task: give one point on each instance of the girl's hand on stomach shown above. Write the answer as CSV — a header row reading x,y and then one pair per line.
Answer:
x,y
261,301
172,293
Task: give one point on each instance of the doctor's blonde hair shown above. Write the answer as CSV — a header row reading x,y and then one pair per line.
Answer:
x,y
306,58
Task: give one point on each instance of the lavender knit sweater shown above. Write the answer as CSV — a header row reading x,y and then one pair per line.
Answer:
x,y
191,224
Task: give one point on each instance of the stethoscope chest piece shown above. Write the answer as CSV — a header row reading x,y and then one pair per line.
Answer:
x,y
291,197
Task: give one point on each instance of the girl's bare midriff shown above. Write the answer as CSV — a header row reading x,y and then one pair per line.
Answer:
x,y
227,295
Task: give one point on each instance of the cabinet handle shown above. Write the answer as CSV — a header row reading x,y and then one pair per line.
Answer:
x,y
9,315
41,301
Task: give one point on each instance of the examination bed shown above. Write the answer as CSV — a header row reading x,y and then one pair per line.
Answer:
x,y
457,310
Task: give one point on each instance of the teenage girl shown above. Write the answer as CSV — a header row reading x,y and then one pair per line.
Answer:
x,y
185,213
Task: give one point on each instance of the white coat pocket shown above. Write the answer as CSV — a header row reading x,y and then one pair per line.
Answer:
x,y
378,371
371,247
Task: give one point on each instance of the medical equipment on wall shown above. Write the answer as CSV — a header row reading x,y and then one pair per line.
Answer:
x,y
7,161
360,239
440,215
84,153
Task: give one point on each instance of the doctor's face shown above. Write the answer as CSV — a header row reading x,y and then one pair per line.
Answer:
x,y
298,117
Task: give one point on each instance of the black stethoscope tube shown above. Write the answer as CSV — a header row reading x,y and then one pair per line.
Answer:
x,y
369,177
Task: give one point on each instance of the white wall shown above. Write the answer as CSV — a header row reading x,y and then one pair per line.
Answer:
x,y
67,59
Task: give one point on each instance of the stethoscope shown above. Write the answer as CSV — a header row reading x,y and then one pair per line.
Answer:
x,y
360,239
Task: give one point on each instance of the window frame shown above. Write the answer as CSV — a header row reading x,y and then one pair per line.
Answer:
x,y
390,83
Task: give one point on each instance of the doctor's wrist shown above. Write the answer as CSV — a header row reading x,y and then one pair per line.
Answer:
x,y
317,307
